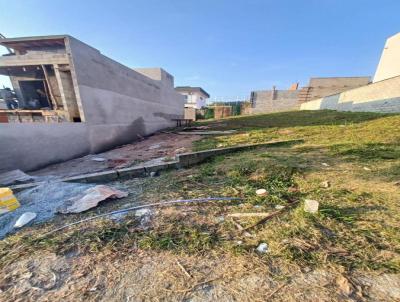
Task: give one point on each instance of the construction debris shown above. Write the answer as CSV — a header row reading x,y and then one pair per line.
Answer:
x,y
270,216
244,215
183,269
8,202
311,206
261,192
153,174
24,219
98,159
262,248
157,204
142,212
90,199
155,146
325,184
43,200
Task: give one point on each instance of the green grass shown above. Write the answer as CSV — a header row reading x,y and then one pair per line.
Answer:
x,y
293,119
357,224
322,128
356,227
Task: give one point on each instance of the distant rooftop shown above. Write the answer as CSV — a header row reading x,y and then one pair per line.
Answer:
x,y
192,89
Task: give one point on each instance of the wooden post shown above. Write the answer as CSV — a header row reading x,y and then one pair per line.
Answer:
x,y
46,77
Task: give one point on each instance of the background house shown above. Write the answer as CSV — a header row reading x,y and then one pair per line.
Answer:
x,y
196,97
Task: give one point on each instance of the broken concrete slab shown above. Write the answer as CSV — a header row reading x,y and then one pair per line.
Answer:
x,y
311,206
90,198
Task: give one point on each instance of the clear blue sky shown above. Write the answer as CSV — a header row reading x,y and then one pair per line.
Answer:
x,y
227,47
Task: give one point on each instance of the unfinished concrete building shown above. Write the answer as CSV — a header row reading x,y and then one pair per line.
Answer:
x,y
40,73
72,100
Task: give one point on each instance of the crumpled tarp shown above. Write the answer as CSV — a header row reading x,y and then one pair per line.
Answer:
x,y
90,198
14,176
43,200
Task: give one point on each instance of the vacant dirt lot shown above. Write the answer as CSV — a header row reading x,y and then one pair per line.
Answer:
x,y
347,251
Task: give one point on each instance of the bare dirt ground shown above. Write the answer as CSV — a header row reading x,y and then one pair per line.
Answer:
x,y
149,276
156,146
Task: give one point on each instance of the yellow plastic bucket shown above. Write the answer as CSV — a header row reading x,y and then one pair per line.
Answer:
x,y
8,202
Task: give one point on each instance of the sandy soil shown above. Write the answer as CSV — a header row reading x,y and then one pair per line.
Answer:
x,y
156,146
151,276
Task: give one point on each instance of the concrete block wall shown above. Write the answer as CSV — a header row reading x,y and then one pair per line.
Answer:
x,y
339,82
112,93
325,86
274,101
383,96
222,111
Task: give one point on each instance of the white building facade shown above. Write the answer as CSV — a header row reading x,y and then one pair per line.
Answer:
x,y
389,64
196,97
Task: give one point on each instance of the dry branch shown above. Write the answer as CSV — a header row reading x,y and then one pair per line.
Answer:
x,y
243,215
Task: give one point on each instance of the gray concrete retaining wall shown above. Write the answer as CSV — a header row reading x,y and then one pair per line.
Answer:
x,y
383,96
30,146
